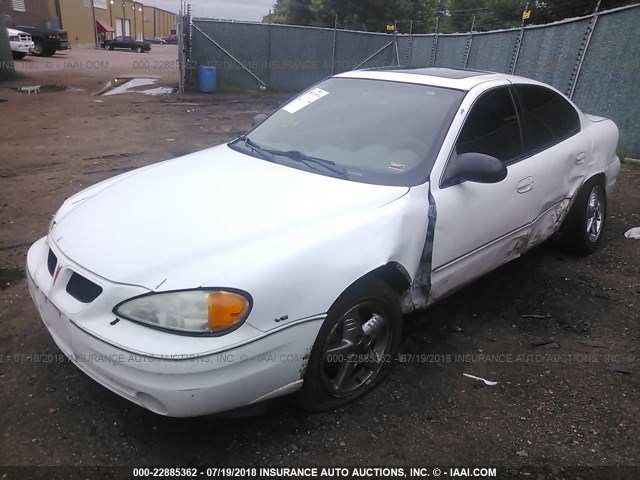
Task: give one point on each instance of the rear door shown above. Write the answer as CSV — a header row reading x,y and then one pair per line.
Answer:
x,y
480,226
554,141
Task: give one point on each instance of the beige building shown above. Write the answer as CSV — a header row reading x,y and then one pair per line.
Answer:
x,y
89,21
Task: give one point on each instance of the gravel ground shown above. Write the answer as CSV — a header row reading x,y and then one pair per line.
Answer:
x,y
558,333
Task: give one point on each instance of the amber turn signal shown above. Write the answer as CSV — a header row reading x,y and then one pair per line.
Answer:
x,y
225,309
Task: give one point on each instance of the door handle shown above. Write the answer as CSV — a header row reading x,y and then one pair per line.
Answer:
x,y
525,185
580,158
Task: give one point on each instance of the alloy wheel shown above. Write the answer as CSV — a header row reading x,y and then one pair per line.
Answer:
x,y
356,350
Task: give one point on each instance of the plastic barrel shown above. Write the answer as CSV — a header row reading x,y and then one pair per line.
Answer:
x,y
207,79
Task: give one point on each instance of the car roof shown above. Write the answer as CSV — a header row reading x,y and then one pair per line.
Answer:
x,y
434,76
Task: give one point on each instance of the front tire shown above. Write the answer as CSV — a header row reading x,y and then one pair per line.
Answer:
x,y
38,49
18,55
139,49
582,230
355,348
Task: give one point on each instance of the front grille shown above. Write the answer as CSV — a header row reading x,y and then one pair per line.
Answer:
x,y
83,290
52,261
24,37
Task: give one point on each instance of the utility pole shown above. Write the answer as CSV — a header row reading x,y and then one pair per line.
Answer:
x,y
59,13
95,27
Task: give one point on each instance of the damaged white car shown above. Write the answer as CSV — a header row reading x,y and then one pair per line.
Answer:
x,y
284,260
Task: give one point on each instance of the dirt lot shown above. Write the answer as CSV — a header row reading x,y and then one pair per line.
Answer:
x,y
571,402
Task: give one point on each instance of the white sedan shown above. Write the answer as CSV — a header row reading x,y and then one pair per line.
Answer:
x,y
284,260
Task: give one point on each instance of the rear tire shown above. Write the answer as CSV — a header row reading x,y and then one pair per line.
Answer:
x,y
355,349
583,230
139,49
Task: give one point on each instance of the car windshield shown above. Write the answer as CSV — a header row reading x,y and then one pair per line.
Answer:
x,y
372,131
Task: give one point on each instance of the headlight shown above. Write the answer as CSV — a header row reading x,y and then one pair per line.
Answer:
x,y
189,311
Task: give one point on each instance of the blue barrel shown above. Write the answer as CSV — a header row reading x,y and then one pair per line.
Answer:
x,y
207,79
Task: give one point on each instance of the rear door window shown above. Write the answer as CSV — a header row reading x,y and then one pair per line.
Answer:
x,y
547,117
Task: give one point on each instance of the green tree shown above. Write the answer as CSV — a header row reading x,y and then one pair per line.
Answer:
x,y
454,15
552,10
367,15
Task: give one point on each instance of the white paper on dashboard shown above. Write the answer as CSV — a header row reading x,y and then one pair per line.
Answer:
x,y
304,100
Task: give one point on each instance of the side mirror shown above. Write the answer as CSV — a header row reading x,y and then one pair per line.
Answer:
x,y
258,119
474,167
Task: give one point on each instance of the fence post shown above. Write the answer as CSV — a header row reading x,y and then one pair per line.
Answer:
x,y
395,43
409,53
335,39
467,48
575,74
269,51
190,41
516,48
434,44
182,47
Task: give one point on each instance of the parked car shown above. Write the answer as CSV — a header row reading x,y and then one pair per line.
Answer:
x,y
47,41
284,260
127,43
156,40
20,42
172,39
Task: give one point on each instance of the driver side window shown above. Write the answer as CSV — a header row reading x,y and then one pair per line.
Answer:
x,y
492,127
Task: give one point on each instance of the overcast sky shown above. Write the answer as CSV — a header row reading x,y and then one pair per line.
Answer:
x,y
228,9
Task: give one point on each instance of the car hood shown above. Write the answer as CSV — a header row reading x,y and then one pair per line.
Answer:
x,y
142,226
13,32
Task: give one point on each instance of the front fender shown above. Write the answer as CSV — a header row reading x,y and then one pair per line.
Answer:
x,y
300,275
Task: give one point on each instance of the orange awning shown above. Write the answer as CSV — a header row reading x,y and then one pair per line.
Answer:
x,y
103,26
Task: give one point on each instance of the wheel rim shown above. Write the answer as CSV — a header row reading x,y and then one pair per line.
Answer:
x,y
37,49
356,349
595,214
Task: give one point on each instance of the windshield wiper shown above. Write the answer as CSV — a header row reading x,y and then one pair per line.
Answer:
x,y
263,152
295,155
301,157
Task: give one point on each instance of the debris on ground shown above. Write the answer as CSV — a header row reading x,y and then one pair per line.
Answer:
x,y
487,382
633,233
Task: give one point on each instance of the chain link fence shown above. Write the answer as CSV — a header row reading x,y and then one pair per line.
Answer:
x,y
594,59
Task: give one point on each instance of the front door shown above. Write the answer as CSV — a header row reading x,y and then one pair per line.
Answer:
x,y
479,225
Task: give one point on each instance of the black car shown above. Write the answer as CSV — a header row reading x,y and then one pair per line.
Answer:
x,y
128,43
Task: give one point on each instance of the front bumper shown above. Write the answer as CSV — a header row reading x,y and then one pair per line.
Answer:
x,y
166,373
22,47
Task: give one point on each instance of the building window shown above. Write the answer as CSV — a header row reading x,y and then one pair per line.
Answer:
x,y
18,5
